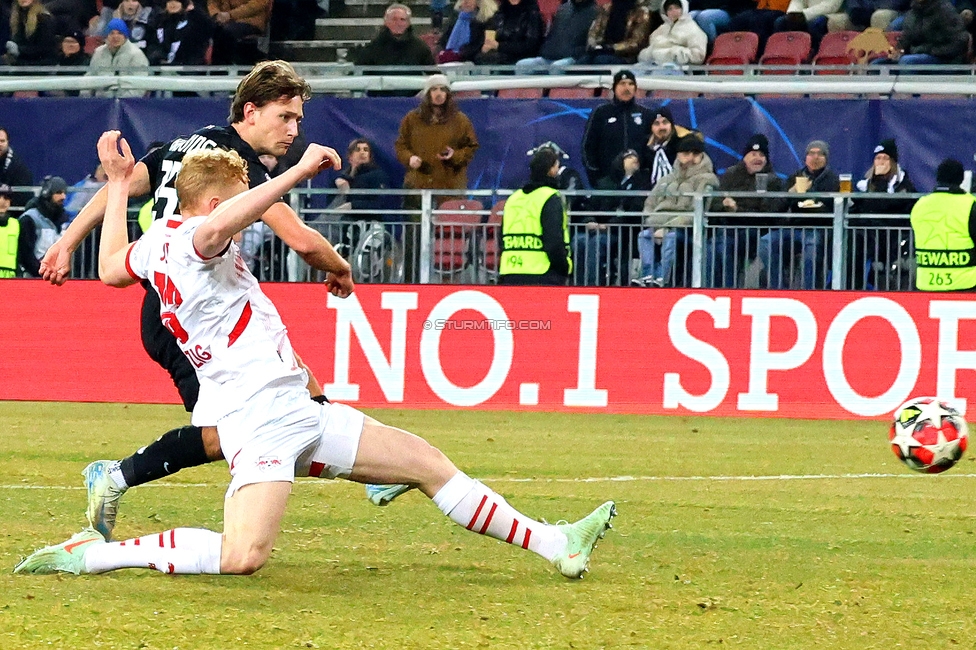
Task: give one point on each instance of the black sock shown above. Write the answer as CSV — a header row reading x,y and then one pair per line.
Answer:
x,y
174,450
321,399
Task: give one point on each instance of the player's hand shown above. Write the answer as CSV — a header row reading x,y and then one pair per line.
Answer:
x,y
116,156
56,264
318,158
340,284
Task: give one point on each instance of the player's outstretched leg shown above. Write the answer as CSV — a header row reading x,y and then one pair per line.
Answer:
x,y
393,456
180,550
173,451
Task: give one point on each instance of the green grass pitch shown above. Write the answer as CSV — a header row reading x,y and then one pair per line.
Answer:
x,y
839,546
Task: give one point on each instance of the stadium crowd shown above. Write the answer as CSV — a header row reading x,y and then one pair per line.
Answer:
x,y
659,35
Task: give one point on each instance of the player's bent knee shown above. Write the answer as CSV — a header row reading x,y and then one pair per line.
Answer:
x,y
243,564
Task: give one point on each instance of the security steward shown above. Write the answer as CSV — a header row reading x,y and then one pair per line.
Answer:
x,y
535,228
9,235
944,224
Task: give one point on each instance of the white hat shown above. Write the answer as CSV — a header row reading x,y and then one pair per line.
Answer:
x,y
435,80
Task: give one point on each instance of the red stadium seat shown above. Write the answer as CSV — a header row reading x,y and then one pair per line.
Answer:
x,y
548,9
454,226
574,92
834,51
786,48
520,93
734,48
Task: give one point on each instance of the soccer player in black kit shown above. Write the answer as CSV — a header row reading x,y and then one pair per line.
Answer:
x,y
264,118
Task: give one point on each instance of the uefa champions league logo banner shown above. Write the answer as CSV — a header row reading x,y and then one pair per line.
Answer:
x,y
809,354
926,130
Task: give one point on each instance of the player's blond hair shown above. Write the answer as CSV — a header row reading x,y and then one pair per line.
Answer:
x,y
207,170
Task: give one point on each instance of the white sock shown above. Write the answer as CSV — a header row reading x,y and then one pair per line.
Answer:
x,y
479,509
180,550
115,473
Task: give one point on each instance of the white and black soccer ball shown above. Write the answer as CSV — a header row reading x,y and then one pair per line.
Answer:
x,y
928,435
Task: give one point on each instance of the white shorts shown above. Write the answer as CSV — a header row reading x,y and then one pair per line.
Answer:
x,y
280,433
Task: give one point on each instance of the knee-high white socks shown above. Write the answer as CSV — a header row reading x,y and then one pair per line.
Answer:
x,y
479,509
180,550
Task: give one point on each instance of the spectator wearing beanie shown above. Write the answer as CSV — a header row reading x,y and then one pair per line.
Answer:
x,y
733,248
803,235
876,244
615,127
944,226
40,224
678,41
118,55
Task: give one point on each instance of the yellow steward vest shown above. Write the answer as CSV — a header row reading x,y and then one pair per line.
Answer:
x,y
945,258
522,251
9,236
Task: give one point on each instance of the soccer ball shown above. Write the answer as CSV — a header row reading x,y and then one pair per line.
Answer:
x,y
928,435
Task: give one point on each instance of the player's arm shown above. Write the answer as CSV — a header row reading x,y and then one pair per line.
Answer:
x,y
309,243
114,243
56,264
238,212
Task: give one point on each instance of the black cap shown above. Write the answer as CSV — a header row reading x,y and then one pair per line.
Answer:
x,y
76,34
691,143
950,173
889,147
665,112
53,185
668,3
5,191
759,143
623,74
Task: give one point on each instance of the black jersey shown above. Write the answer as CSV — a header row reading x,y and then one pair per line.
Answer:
x,y
165,162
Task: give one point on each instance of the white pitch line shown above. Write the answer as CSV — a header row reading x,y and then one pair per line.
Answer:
x,y
603,479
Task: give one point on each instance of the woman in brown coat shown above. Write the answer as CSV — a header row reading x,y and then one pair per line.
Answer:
x,y
437,141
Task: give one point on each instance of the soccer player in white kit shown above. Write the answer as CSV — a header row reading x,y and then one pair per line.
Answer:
x,y
269,429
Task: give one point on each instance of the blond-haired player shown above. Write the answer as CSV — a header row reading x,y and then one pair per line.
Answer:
x,y
269,429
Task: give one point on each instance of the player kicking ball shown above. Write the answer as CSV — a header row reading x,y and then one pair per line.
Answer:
x,y
253,387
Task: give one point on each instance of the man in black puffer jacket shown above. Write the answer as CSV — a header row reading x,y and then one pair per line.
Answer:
x,y
932,33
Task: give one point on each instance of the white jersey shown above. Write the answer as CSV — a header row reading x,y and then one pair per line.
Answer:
x,y
225,325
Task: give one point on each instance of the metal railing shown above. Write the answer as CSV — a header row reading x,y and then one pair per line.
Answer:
x,y
455,237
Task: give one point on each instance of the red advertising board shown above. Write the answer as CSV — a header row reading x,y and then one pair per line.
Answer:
x,y
826,354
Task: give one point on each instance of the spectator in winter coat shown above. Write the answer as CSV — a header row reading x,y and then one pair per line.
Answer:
x,y
13,171
615,127
802,234
117,54
40,225
693,174
515,32
932,32
138,19
237,21
760,20
179,36
396,43
619,32
565,44
886,243
679,40
731,248
464,33
33,35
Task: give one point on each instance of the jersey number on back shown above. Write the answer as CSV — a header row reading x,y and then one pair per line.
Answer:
x,y
165,201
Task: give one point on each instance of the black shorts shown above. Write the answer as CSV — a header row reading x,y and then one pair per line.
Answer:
x,y
162,348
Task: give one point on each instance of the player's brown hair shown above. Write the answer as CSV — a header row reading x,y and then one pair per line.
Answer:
x,y
207,169
268,82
